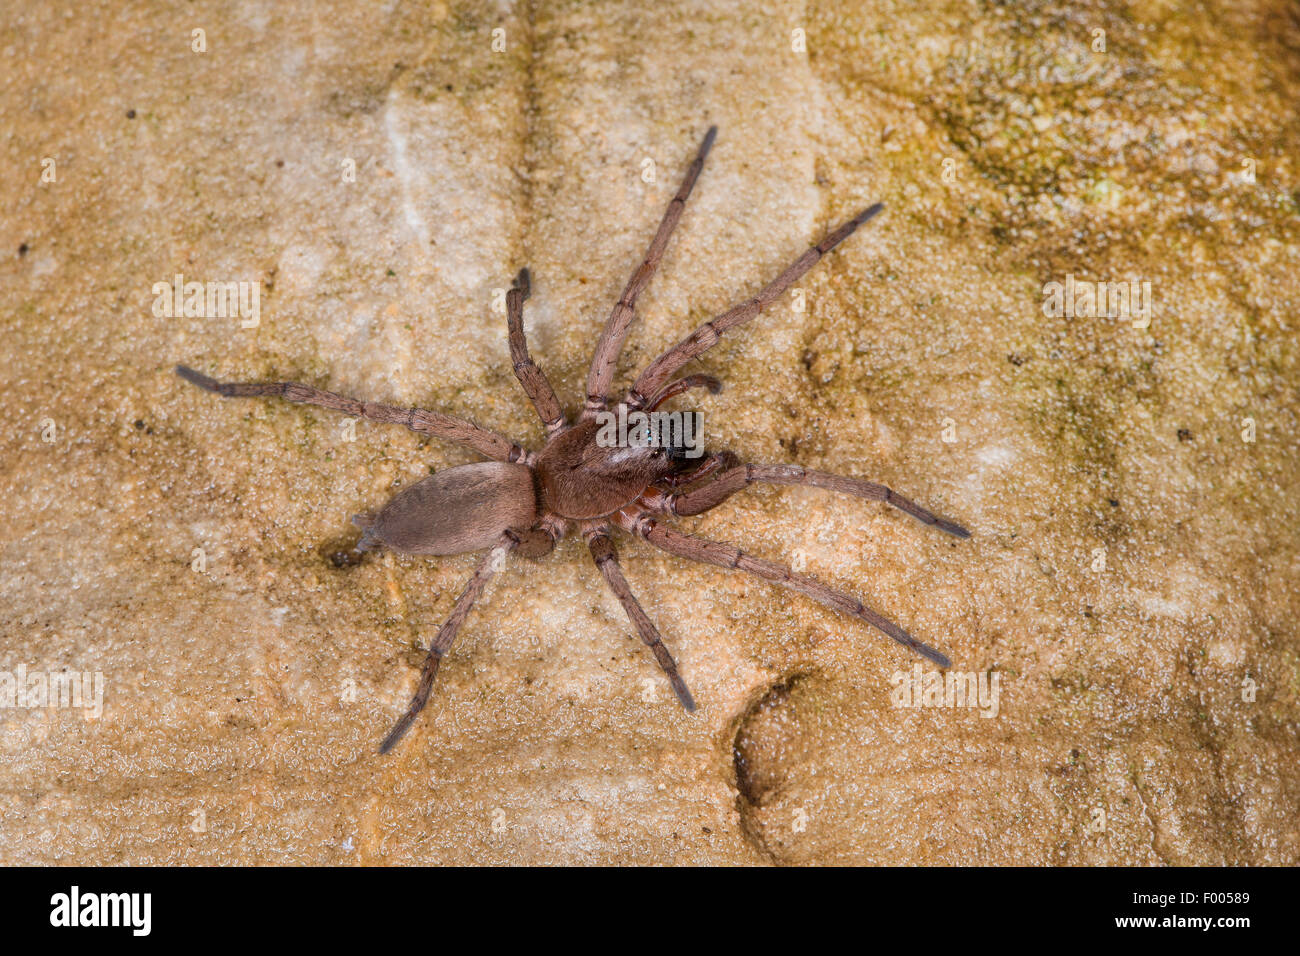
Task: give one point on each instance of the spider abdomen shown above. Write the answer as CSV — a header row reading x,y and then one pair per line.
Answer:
x,y
466,508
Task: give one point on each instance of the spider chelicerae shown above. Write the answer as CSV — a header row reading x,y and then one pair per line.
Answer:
x,y
523,501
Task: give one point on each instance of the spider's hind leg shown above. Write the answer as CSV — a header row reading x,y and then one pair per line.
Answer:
x,y
447,427
530,375
606,558
488,567
535,543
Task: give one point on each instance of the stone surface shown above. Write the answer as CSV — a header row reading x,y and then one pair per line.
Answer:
x,y
243,703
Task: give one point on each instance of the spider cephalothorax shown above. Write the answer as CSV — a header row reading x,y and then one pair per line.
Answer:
x,y
523,501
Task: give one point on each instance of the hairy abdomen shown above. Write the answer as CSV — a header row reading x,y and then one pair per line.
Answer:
x,y
466,508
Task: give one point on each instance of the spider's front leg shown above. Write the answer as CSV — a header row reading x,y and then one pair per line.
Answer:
x,y
635,400
707,335
741,477
728,556
710,465
605,357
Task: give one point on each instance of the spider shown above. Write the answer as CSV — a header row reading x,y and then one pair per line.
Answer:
x,y
524,501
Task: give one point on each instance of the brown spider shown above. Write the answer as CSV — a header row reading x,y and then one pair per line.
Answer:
x,y
525,501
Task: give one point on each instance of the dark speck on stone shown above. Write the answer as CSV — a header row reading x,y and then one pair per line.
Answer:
x,y
130,114
22,249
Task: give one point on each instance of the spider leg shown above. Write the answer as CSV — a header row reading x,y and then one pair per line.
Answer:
x,y
530,376
700,500
728,556
539,541
605,357
713,463
489,566
606,558
447,427
708,334
636,400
